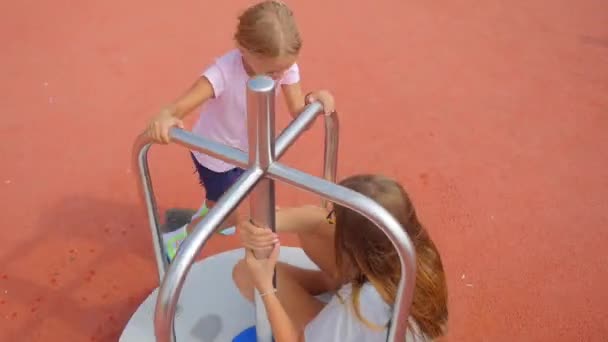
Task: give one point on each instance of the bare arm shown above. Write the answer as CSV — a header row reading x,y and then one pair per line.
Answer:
x,y
306,219
261,270
200,91
294,98
172,114
283,328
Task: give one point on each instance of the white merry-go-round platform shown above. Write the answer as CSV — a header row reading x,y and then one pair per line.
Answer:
x,y
210,308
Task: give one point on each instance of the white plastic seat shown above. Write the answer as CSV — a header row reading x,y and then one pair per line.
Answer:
x,y
210,309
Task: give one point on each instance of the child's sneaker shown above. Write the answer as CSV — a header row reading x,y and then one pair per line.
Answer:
x,y
176,222
175,227
173,240
203,211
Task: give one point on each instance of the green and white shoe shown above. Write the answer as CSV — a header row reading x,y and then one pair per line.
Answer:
x,y
203,211
173,240
176,222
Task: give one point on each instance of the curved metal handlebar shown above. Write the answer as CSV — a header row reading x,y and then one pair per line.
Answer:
x,y
173,277
381,218
172,285
332,129
237,157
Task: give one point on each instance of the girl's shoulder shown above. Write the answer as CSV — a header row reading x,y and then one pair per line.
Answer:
x,y
230,55
232,59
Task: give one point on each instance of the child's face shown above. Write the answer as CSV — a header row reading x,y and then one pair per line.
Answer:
x,y
272,67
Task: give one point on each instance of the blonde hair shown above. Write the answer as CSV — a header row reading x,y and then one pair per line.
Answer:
x,y
268,29
364,254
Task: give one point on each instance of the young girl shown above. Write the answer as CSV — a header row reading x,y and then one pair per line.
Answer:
x,y
356,260
267,42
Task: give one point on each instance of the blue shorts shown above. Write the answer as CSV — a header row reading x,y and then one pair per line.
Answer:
x,y
215,183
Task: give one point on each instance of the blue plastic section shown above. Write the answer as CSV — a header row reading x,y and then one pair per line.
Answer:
x,y
247,335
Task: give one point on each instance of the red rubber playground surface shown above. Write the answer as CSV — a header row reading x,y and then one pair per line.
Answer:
x,y
493,114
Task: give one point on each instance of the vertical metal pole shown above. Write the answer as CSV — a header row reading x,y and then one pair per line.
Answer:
x,y
330,155
147,192
261,131
172,285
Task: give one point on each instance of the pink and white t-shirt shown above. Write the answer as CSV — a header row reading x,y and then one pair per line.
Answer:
x,y
224,117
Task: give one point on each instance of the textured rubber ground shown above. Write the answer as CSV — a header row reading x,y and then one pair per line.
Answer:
x,y
492,113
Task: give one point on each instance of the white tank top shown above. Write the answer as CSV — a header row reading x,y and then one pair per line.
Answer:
x,y
338,322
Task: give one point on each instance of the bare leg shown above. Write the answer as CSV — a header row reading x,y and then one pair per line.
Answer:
x,y
298,287
318,244
296,290
316,237
315,233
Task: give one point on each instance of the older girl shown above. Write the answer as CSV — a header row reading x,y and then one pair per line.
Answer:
x,y
357,262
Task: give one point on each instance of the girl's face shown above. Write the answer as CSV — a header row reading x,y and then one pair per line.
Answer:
x,y
272,67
